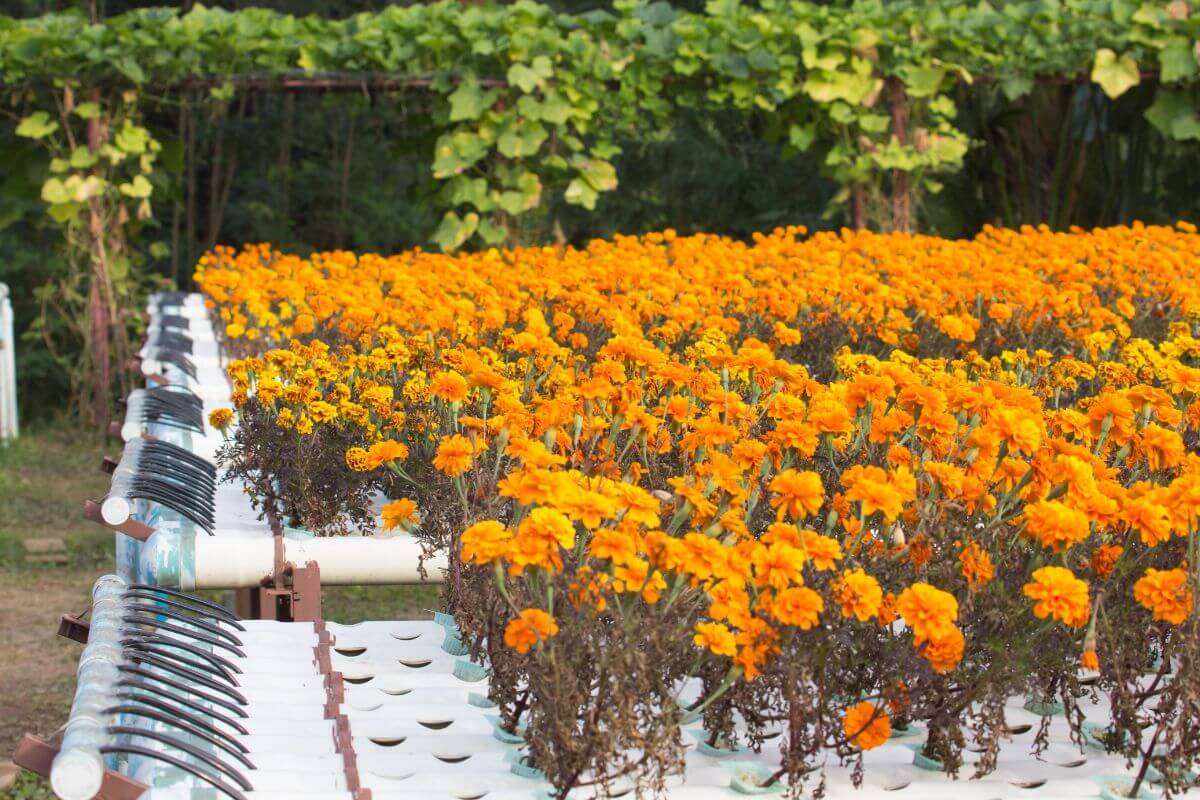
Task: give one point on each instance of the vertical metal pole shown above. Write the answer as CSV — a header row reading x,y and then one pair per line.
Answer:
x,y
9,427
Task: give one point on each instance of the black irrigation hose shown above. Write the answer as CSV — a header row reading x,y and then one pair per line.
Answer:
x,y
142,675
159,492
177,321
173,667
183,701
182,453
179,744
203,625
191,598
165,406
140,618
173,649
173,340
213,780
203,731
169,601
176,359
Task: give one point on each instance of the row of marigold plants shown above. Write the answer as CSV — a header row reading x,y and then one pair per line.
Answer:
x,y
815,490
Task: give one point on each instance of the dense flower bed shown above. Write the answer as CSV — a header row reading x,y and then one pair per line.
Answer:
x,y
851,482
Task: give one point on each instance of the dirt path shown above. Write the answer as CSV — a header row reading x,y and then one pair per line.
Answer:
x,y
37,668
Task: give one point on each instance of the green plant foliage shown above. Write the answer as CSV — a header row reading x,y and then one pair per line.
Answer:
x,y
530,101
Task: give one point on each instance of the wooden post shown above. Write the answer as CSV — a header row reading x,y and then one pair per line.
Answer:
x,y
858,206
901,210
97,291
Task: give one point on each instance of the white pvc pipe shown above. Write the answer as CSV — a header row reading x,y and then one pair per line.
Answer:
x,y
118,507
234,562
8,369
78,770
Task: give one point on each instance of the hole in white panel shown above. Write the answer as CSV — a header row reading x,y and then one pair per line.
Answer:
x,y
435,724
416,663
773,735
472,795
399,776
896,786
349,652
621,792
396,692
364,706
452,758
358,680
388,741
1079,762
1032,784
406,637
1090,680
1017,730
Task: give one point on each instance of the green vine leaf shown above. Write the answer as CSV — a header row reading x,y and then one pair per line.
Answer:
x,y
469,100
1173,114
37,125
1115,75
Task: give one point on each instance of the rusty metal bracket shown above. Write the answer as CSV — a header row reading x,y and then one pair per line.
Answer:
x,y
73,628
37,754
131,528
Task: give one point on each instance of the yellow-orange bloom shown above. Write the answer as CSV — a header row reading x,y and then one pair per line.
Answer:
x,y
928,611
1166,593
859,594
798,606
715,637
449,386
1055,525
797,494
220,418
454,455
866,726
530,627
1059,594
484,542
399,513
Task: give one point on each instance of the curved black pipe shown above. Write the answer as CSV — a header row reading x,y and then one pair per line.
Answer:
x,y
214,736
191,598
209,656
183,672
183,701
189,620
182,688
177,656
195,608
151,619
190,749
213,780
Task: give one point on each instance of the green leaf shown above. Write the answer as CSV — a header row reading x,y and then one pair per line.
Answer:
x,y
522,138
1174,115
1115,75
595,176
82,157
922,81
1178,61
63,212
37,125
139,187
455,230
490,232
457,151
133,139
87,110
469,100
801,137
55,192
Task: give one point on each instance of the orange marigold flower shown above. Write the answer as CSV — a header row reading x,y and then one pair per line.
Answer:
x,y
1089,660
945,651
386,452
928,611
866,726
356,459
1055,525
715,637
976,566
797,494
454,455
449,386
777,565
220,418
399,513
484,542
823,551
1105,558
798,606
859,594
1059,594
530,627
1166,593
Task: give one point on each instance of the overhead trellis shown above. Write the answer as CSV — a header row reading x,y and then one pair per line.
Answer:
x,y
527,101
